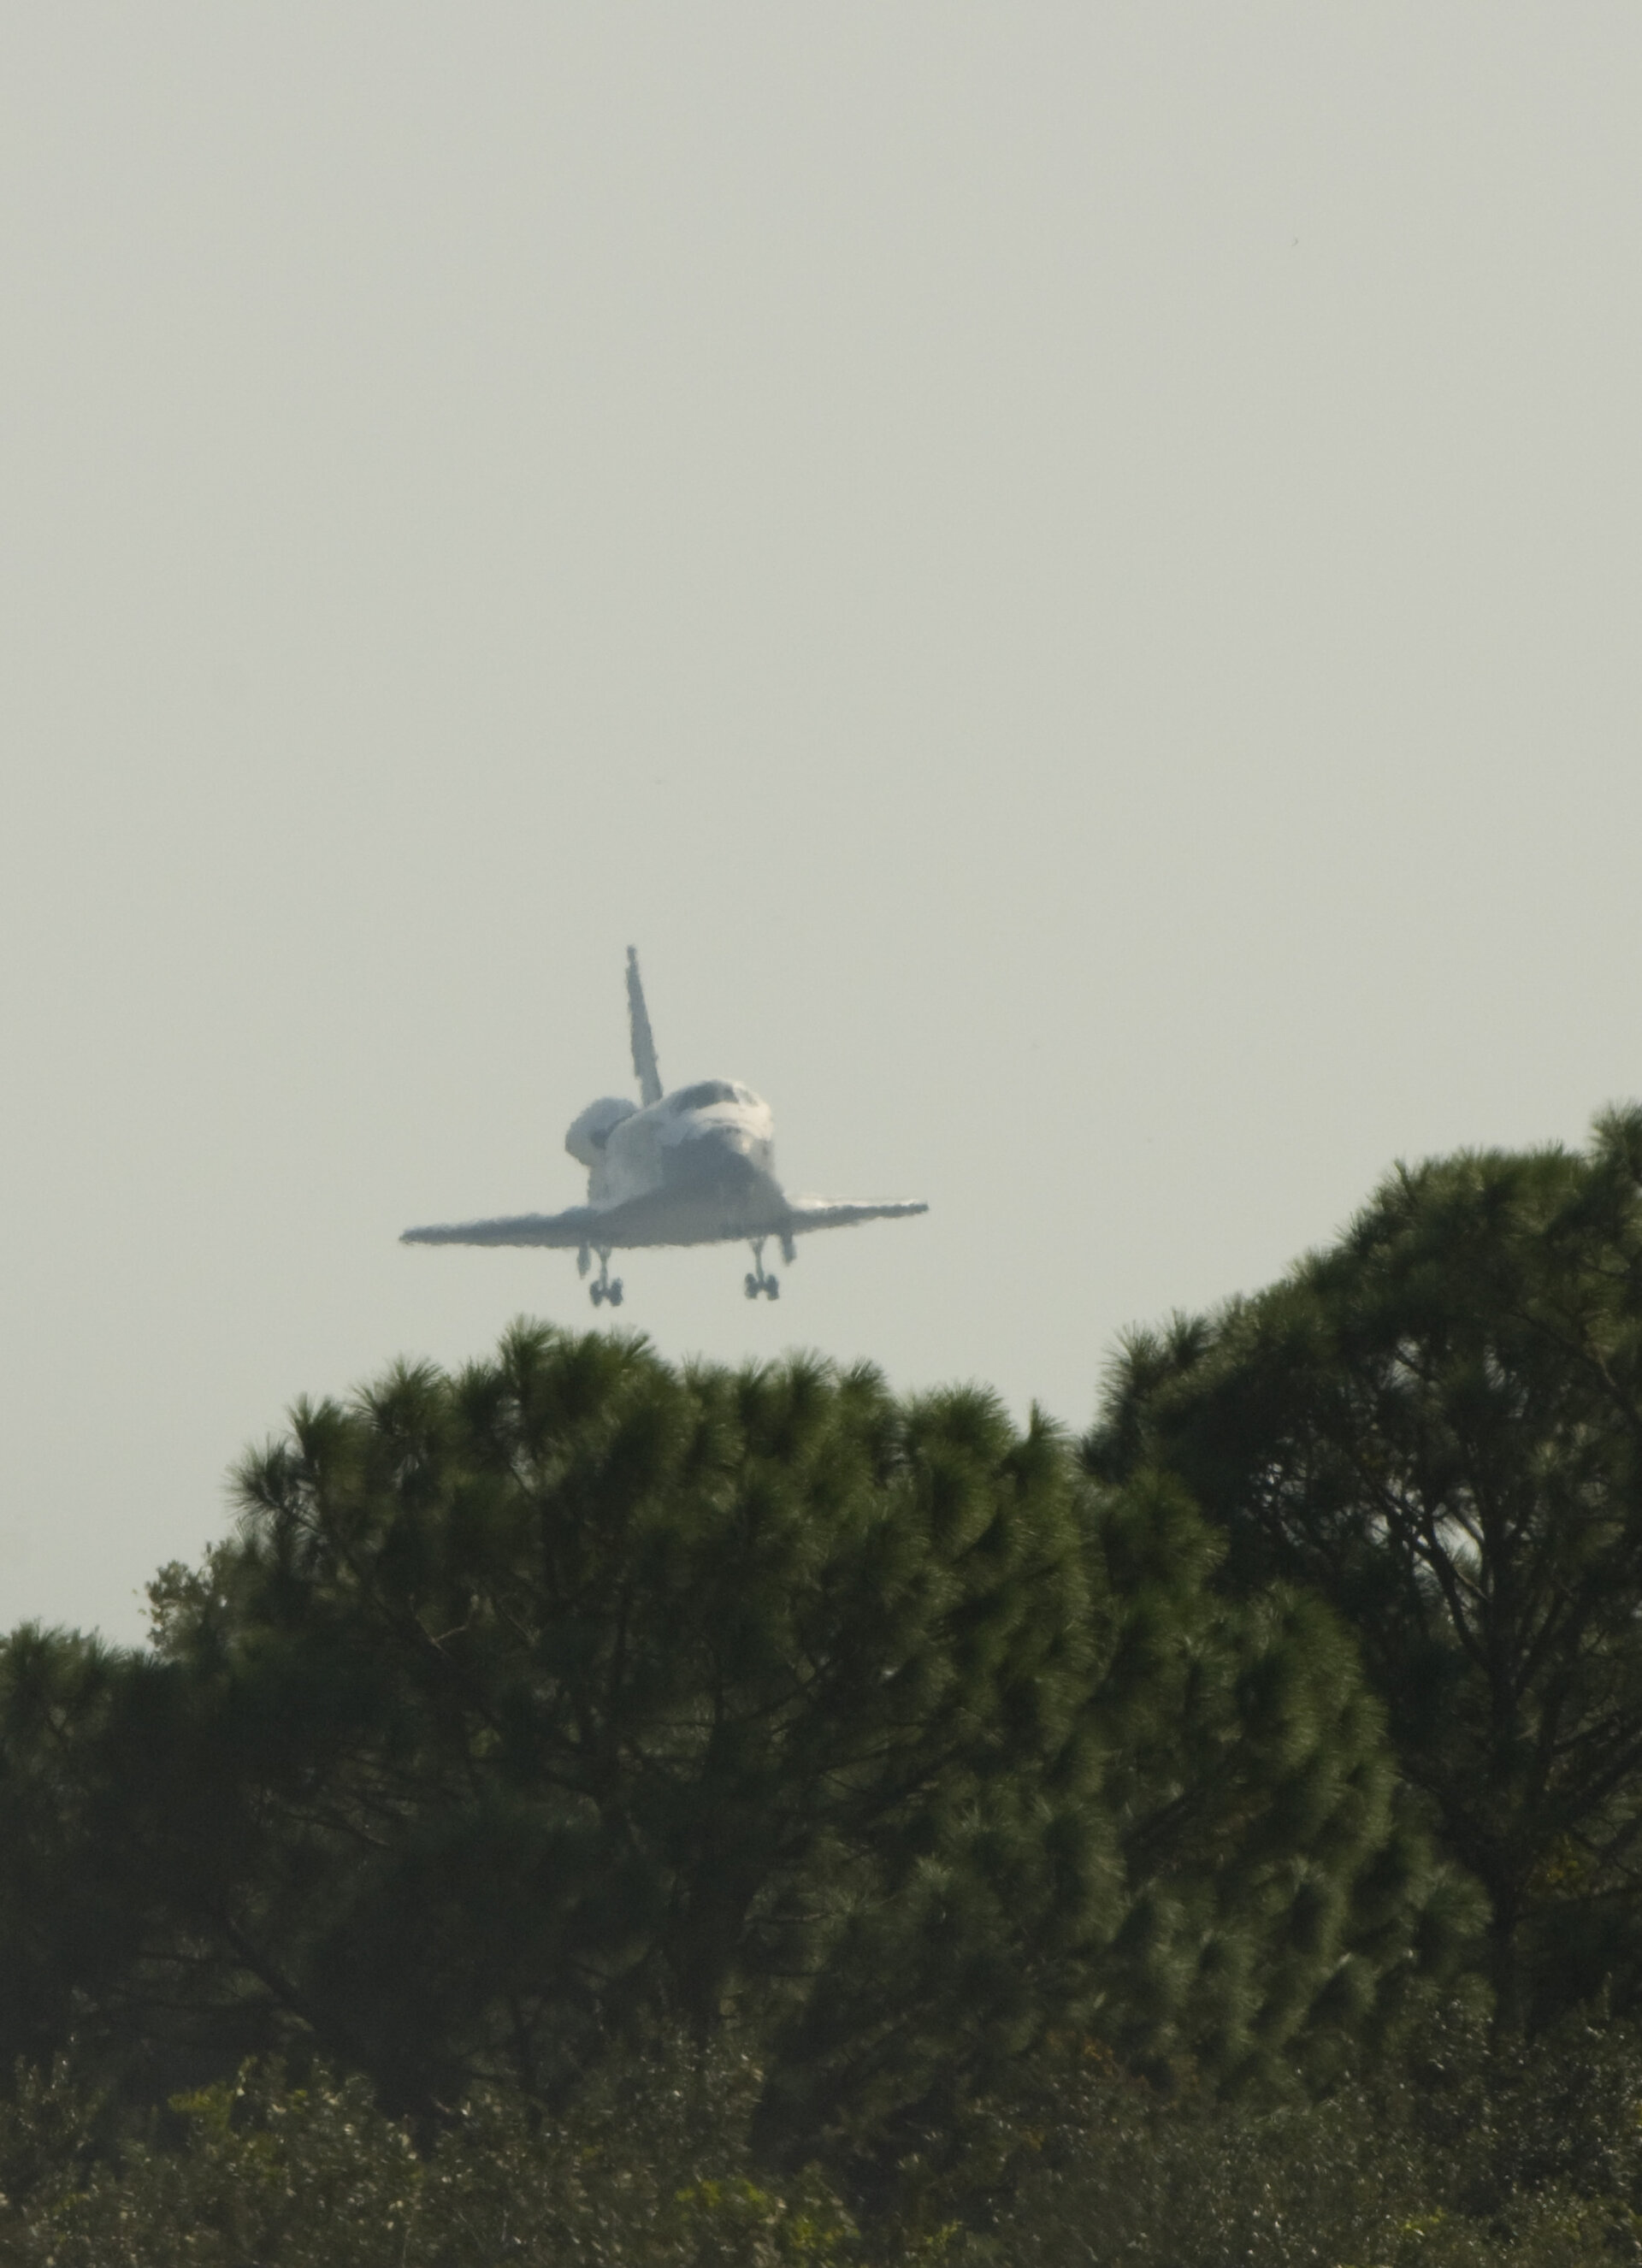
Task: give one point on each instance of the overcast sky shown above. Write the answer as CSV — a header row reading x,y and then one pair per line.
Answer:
x,y
1069,575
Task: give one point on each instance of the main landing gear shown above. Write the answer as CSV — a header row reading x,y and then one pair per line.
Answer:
x,y
759,1280
603,1289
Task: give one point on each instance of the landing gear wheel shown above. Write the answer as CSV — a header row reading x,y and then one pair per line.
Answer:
x,y
759,1279
613,1294
595,1292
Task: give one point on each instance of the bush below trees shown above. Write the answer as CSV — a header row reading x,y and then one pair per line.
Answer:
x,y
1456,2159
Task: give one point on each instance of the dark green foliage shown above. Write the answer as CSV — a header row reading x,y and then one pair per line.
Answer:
x,y
1280,1903
575,1691
1437,1425
575,1694
74,1922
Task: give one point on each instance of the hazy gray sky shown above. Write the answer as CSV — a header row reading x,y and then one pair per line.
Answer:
x,y
1068,575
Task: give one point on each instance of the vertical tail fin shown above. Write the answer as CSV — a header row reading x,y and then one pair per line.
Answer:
x,y
644,1044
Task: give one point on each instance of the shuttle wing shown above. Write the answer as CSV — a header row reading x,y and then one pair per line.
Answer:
x,y
659,1218
563,1230
805,1213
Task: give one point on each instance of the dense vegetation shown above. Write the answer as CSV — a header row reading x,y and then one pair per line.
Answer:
x,y
593,1810
1437,1425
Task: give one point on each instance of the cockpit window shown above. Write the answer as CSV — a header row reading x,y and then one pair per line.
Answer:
x,y
708,1092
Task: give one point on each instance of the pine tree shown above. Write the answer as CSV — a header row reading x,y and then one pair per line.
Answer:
x,y
574,1696
1437,1425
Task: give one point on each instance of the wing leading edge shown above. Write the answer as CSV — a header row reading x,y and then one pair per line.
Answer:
x,y
805,1213
565,1230
643,1222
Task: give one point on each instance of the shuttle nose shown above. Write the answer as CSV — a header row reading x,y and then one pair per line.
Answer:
x,y
723,1142
713,1153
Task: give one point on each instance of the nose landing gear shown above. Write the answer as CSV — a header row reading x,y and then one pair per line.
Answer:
x,y
759,1279
604,1289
